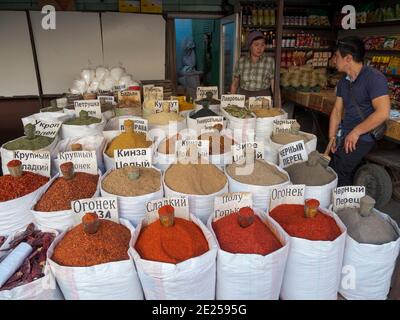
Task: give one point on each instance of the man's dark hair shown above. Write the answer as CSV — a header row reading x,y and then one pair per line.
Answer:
x,y
351,45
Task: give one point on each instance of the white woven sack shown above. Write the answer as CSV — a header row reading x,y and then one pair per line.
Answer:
x,y
264,126
322,193
73,131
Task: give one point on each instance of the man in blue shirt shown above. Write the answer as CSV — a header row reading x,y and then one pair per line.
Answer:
x,y
362,104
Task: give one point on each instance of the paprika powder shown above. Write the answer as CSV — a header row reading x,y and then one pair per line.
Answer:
x,y
244,232
292,218
171,239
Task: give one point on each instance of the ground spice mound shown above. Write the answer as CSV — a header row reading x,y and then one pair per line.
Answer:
x,y
163,118
291,218
61,192
266,113
79,249
128,140
285,138
182,241
263,174
16,187
302,173
117,182
198,179
254,239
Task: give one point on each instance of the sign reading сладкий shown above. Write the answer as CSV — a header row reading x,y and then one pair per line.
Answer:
x,y
105,207
180,204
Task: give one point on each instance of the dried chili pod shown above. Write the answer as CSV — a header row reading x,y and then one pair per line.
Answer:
x,y
21,237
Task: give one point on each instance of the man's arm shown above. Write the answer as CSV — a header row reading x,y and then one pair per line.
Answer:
x,y
334,120
381,114
235,85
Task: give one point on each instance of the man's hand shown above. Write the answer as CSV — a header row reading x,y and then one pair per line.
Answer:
x,y
333,147
351,141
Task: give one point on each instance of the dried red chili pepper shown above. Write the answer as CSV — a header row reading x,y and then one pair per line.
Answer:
x,y
319,228
254,238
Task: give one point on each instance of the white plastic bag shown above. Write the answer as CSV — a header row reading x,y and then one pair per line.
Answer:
x,y
133,208
264,125
191,279
114,280
44,288
58,220
252,276
16,214
322,193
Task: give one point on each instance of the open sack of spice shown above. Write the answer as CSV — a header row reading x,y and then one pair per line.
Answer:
x,y
30,142
24,271
175,254
134,188
257,177
252,250
169,121
126,139
53,204
18,191
372,245
91,262
285,132
309,169
201,182
87,143
83,125
317,241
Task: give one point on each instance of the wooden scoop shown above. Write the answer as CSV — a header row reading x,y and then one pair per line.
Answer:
x,y
325,158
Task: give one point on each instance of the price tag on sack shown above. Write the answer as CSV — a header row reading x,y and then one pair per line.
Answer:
x,y
229,203
138,157
239,150
106,99
105,207
132,96
347,197
46,128
140,125
150,92
91,106
180,204
166,105
207,124
201,92
189,151
84,161
260,102
233,99
34,161
289,194
282,126
292,153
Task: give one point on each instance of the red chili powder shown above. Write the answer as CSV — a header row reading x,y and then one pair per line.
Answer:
x,y
291,217
16,187
60,194
180,242
254,239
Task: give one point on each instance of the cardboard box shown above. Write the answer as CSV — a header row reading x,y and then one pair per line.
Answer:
x,y
151,6
129,6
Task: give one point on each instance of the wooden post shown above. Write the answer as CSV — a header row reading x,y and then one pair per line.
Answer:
x,y
278,53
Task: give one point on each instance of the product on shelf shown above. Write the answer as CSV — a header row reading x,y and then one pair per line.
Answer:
x,y
170,239
72,186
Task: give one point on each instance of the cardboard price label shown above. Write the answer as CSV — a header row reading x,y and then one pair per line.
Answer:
x,y
239,150
106,99
46,128
292,194
209,123
201,92
229,203
84,161
140,125
105,207
260,102
233,99
166,105
180,204
91,106
282,126
150,92
292,153
138,157
34,161
189,151
130,95
348,196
